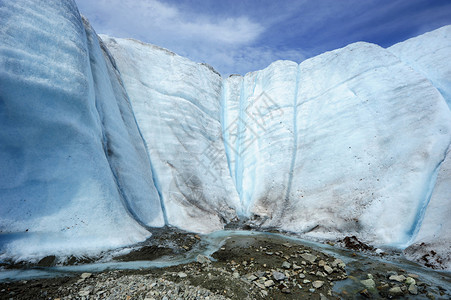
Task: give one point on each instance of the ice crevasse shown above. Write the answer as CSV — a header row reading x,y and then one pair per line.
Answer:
x,y
103,139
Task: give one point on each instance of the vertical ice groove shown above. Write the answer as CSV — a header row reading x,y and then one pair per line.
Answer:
x,y
295,141
416,225
154,176
125,202
252,161
238,159
158,188
224,123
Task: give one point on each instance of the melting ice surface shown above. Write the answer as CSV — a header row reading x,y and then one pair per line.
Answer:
x,y
103,139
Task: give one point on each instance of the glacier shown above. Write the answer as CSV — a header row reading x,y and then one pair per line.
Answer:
x,y
75,174
104,139
430,245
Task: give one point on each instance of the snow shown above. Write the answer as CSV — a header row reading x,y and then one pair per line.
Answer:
x,y
71,158
103,140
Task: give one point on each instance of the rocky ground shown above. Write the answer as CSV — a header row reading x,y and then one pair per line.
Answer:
x,y
245,267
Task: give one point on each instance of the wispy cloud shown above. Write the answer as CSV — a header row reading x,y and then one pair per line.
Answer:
x,y
246,35
156,21
200,37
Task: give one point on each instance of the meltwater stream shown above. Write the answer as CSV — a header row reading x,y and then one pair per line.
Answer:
x,y
355,262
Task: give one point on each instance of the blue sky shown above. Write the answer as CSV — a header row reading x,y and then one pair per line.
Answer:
x,y
239,36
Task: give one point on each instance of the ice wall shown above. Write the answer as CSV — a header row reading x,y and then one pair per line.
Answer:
x,y
176,104
429,54
74,172
348,142
370,135
259,136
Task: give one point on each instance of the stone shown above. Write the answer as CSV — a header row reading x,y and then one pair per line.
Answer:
x,y
338,263
328,269
322,297
236,275
286,265
181,275
296,267
260,273
414,276
368,283
410,280
286,291
269,283
398,278
413,289
261,286
278,276
311,290
321,263
383,286
392,273
85,275
251,277
309,257
305,281
317,284
395,291
320,274
84,293
202,259
365,293
301,275
421,283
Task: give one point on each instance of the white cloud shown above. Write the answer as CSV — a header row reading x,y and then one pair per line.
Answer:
x,y
241,36
206,38
160,23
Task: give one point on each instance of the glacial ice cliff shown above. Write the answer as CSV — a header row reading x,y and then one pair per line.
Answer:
x,y
103,139
74,172
429,54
